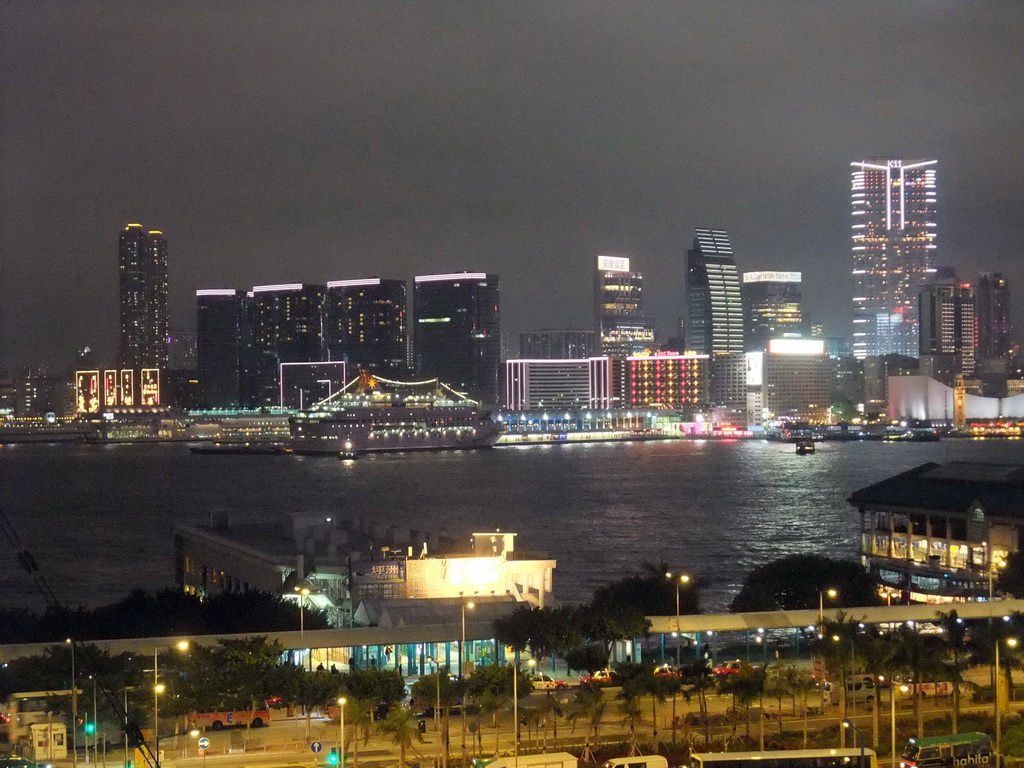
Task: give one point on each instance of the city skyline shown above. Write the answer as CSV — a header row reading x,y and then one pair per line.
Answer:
x,y
404,142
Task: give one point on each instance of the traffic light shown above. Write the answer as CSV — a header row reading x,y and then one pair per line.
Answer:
x,y
333,757
90,727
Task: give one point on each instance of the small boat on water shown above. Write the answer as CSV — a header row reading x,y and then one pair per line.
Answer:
x,y
804,447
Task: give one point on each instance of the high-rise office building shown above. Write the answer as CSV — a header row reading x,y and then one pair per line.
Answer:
x,y
287,327
714,323
894,246
993,309
366,324
947,325
620,324
142,279
224,348
458,331
556,345
771,308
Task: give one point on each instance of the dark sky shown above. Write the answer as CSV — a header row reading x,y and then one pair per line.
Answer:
x,y
282,141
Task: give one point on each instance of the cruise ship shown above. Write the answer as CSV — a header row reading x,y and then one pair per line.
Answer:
x,y
364,417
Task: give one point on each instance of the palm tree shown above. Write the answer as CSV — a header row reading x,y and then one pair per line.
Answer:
x,y
837,646
588,705
700,680
954,638
629,708
400,727
801,685
878,654
921,657
359,713
550,709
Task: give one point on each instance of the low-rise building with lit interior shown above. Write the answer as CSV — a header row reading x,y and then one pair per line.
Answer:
x,y
938,533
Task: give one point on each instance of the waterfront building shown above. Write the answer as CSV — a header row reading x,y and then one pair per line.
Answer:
x,y
224,351
926,398
458,331
620,324
662,380
894,231
850,380
287,327
366,324
993,311
793,381
127,390
878,371
714,322
936,533
947,325
142,283
771,308
567,383
566,344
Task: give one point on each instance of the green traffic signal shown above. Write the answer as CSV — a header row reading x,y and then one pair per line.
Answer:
x,y
90,727
333,757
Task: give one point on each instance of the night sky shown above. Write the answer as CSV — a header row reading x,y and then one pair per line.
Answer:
x,y
280,141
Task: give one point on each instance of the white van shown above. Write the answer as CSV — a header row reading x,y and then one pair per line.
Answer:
x,y
860,689
639,761
543,760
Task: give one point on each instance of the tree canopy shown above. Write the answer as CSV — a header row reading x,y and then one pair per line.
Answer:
x,y
798,581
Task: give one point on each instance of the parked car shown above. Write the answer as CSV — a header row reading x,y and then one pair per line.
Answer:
x,y
542,682
666,671
601,677
732,667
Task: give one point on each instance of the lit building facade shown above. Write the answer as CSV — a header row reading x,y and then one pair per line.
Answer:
x,y
302,385
287,327
771,307
714,322
224,352
366,324
535,384
556,345
993,310
894,232
792,382
100,391
142,283
947,325
668,381
934,534
458,331
622,328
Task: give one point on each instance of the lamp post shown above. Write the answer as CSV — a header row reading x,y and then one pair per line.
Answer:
x,y
341,731
682,579
158,688
892,712
74,706
833,594
515,710
858,737
1012,643
462,652
304,592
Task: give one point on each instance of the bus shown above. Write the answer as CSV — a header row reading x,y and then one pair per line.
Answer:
x,y
957,750
786,758
23,710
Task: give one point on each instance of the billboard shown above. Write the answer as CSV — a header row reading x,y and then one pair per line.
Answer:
x,y
127,387
612,264
771,277
87,391
110,399
150,386
796,346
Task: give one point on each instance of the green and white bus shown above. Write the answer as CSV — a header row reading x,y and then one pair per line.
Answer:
x,y
958,750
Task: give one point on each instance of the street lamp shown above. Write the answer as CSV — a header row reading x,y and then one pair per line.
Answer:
x,y
993,565
304,592
682,579
832,594
462,652
74,706
858,737
341,731
1011,642
892,712
158,688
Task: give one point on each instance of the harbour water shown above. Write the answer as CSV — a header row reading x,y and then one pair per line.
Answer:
x,y
99,518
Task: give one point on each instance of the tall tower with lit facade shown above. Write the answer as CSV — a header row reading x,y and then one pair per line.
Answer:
x,y
894,205
621,326
366,324
142,279
993,306
714,321
771,307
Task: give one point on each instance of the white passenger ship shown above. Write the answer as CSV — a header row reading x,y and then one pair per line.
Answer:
x,y
411,416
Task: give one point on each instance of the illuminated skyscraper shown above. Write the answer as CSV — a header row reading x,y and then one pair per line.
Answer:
x,y
142,271
993,307
366,324
458,331
620,324
287,327
714,323
771,307
224,348
948,329
893,252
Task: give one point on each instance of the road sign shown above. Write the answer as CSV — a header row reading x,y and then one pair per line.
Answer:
x,y
316,746
204,743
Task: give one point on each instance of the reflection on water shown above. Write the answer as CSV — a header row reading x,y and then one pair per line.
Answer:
x,y
99,518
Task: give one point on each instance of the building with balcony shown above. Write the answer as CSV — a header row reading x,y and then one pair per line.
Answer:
x,y
935,533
